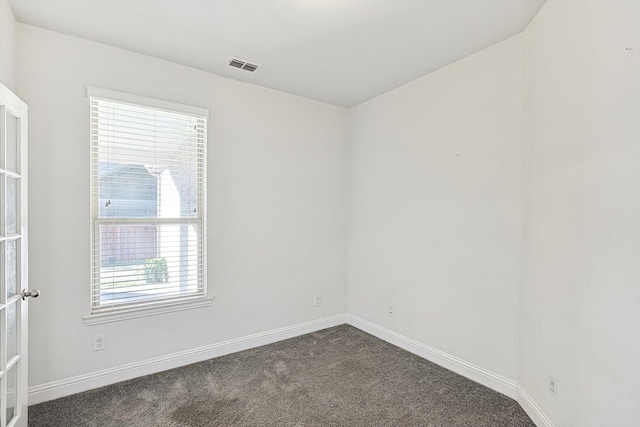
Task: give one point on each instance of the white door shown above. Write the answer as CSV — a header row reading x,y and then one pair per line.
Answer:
x,y
13,260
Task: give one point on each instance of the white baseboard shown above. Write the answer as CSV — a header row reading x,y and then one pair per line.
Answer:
x,y
499,383
532,409
56,389
483,376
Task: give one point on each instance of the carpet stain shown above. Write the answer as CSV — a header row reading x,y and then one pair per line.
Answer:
x,y
147,395
215,411
281,368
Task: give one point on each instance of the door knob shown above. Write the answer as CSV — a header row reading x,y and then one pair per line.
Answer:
x,y
33,294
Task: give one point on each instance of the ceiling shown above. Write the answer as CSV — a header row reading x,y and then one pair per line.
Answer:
x,y
342,52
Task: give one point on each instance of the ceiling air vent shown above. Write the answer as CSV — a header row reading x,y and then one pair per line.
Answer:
x,y
236,63
243,64
250,67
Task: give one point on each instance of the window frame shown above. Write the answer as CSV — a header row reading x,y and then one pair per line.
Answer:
x,y
111,313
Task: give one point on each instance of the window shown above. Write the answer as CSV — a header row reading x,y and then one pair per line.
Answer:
x,y
148,179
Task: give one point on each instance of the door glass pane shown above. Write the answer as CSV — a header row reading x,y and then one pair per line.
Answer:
x,y
12,142
12,332
12,205
12,392
12,268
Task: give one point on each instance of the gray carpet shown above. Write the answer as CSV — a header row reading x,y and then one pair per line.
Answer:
x,y
336,377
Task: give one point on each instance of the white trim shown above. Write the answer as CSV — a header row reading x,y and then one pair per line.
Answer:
x,y
119,314
56,389
483,376
532,409
160,104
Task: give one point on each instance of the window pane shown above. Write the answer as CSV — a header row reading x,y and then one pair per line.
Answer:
x,y
147,262
147,161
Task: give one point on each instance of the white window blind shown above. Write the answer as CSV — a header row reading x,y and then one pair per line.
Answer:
x,y
148,168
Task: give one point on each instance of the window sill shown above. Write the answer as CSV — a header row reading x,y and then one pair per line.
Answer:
x,y
135,312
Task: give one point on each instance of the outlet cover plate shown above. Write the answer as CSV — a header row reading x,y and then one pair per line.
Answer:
x,y
99,342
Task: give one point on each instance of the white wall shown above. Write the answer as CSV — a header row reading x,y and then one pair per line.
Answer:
x,y
580,299
435,208
7,46
276,195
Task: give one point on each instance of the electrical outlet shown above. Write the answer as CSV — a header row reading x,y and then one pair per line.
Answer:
x,y
552,386
99,342
390,311
316,301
